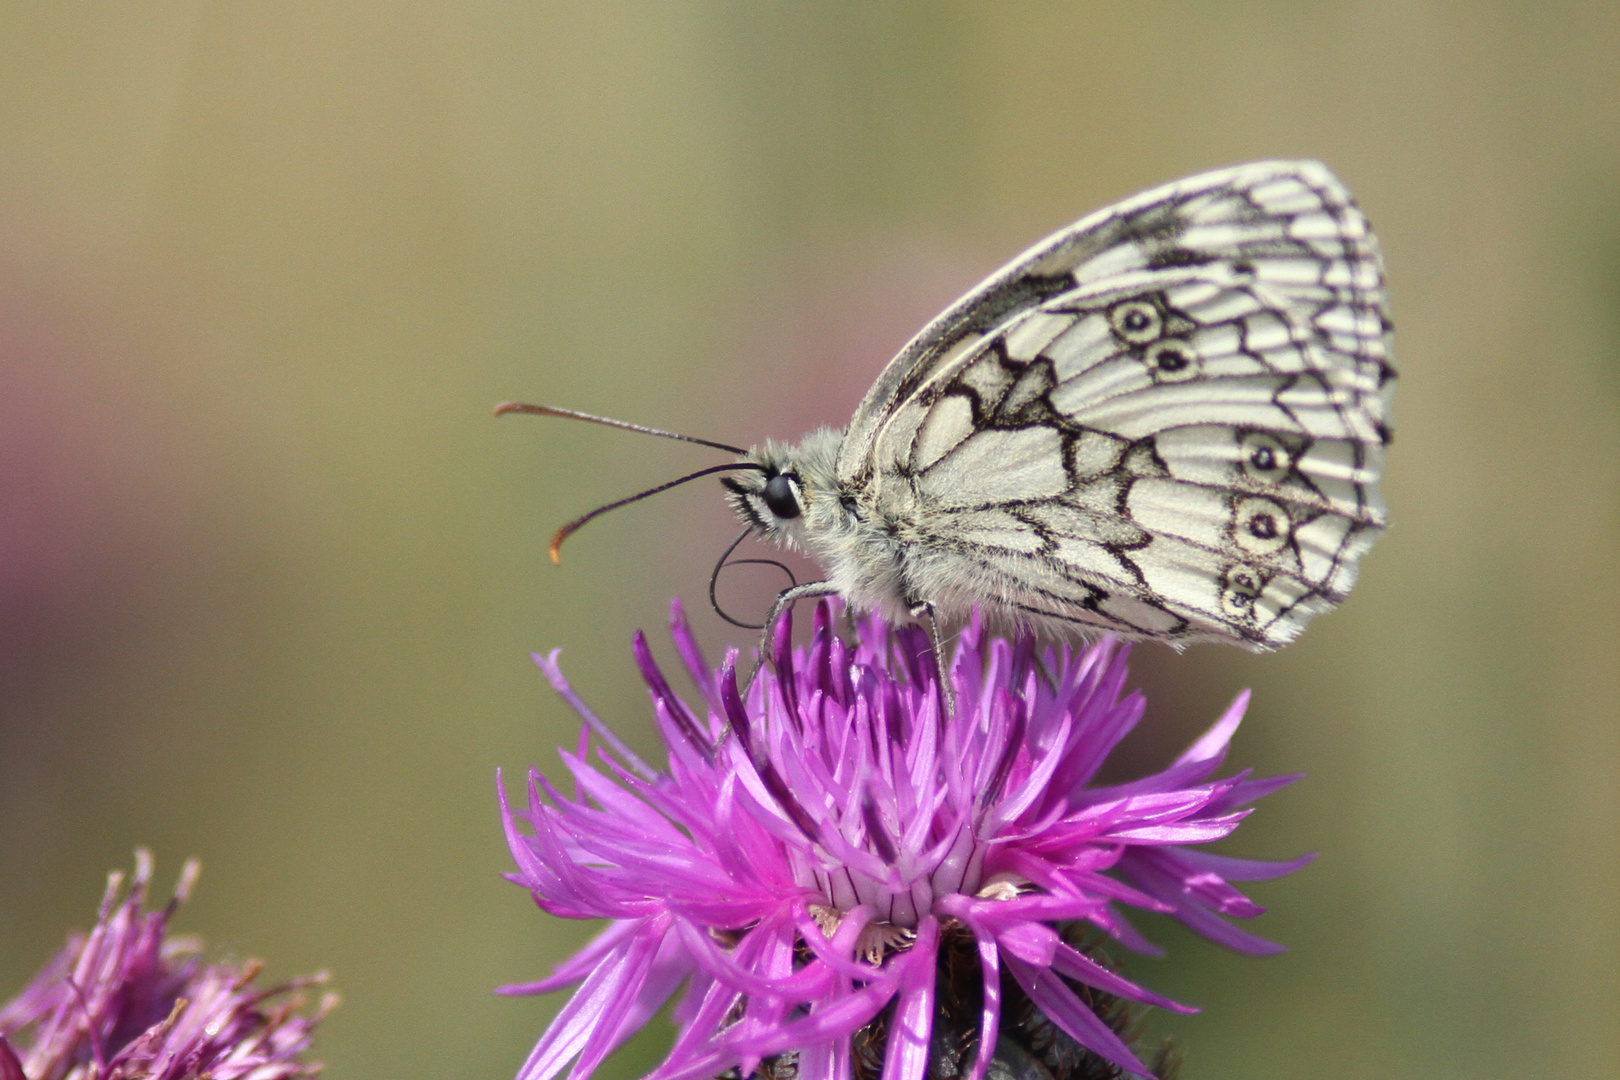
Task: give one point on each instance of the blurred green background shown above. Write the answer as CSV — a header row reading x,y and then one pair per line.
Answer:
x,y
269,571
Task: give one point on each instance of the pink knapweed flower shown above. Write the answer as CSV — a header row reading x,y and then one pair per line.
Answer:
x,y
127,1001
813,842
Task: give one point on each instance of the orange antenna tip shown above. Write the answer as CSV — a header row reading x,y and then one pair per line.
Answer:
x,y
574,526
562,534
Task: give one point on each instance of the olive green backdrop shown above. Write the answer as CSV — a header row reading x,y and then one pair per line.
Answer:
x,y
269,571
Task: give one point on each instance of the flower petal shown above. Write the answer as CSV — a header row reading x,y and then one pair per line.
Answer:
x,y
607,991
906,1053
1068,1012
846,791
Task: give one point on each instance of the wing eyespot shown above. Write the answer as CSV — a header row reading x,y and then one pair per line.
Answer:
x,y
1171,360
1260,526
1264,457
1137,322
1241,587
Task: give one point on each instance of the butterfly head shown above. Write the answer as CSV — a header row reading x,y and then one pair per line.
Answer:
x,y
791,490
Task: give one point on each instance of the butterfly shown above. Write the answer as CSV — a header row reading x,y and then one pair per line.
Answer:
x,y
1165,421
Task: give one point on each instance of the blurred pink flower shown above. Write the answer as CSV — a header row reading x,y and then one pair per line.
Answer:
x,y
810,847
127,1001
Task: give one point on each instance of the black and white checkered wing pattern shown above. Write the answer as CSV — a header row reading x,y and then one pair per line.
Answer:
x,y
1167,420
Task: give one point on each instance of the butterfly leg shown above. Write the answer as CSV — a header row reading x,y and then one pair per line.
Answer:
x,y
784,600
947,692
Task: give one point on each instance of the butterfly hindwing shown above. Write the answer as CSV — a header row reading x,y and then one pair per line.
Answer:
x,y
1167,420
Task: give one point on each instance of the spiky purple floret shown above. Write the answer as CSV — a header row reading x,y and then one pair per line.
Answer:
x,y
129,1002
796,862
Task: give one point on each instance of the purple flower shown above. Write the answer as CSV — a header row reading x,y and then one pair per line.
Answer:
x,y
813,842
128,1002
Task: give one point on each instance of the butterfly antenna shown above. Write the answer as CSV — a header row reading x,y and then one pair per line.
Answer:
x,y
569,414
574,526
725,561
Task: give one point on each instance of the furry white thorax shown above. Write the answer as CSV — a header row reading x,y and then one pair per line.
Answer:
x,y
867,540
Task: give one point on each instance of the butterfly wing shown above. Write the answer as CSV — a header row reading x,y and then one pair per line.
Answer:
x,y
1168,420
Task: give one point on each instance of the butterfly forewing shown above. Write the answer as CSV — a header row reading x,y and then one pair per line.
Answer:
x,y
1166,420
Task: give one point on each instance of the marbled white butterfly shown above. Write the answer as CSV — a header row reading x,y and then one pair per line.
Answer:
x,y
1166,421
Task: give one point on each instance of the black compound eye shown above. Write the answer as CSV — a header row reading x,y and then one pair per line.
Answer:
x,y
782,496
